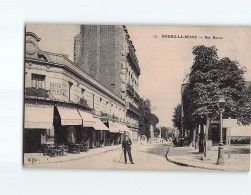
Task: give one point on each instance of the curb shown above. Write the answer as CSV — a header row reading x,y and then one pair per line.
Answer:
x,y
79,158
189,165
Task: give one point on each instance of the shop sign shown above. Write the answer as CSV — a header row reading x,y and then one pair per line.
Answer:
x,y
37,125
89,123
57,88
71,122
37,105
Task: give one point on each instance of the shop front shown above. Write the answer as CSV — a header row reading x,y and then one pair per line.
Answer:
x,y
67,126
93,130
115,133
135,135
38,127
123,130
87,136
102,130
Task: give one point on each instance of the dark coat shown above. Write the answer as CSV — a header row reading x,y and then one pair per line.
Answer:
x,y
126,144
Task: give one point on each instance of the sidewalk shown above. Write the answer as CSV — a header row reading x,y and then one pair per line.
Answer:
x,y
38,158
188,156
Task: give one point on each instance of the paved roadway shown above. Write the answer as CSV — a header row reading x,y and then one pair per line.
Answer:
x,y
144,156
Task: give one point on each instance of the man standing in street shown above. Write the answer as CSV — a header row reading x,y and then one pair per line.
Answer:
x,y
126,146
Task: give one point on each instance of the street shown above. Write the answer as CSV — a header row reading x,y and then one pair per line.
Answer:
x,y
144,156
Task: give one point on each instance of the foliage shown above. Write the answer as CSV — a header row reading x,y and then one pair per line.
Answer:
x,y
167,132
156,132
154,120
210,79
177,117
146,117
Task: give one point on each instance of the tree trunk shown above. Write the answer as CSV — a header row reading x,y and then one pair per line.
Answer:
x,y
193,137
197,137
206,137
201,138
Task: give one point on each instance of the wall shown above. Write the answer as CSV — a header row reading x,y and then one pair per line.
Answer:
x,y
56,81
100,54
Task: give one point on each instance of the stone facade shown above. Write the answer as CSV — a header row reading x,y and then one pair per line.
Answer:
x,y
63,81
106,53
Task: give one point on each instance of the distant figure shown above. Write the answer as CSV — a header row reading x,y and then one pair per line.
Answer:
x,y
126,146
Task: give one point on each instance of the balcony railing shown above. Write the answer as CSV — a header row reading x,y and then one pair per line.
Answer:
x,y
37,92
131,124
130,89
133,59
136,96
131,107
83,102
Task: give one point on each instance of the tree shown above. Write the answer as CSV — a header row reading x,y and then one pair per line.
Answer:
x,y
146,117
156,132
154,120
210,79
167,132
177,117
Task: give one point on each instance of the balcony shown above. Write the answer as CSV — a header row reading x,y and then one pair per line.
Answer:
x,y
133,60
136,96
131,107
130,89
36,92
83,102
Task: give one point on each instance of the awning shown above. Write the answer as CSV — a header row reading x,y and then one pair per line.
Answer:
x,y
99,125
38,117
125,128
88,119
122,128
69,116
113,127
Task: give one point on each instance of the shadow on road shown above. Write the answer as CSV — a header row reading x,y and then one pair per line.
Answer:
x,y
157,149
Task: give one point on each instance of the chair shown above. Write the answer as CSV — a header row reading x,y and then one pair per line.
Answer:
x,y
45,149
65,150
81,147
74,148
53,152
59,150
85,146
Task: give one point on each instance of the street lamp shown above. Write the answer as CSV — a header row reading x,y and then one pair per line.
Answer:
x,y
221,106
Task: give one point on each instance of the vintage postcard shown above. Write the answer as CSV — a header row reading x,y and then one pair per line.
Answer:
x,y
137,97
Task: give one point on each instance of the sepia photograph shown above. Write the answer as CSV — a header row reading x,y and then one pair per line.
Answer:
x,y
137,97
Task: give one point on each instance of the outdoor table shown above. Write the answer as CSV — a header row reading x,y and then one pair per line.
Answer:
x,y
61,149
81,147
74,148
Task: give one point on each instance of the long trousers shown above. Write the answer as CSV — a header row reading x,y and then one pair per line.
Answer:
x,y
129,154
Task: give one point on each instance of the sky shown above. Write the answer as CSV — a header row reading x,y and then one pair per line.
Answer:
x,y
163,61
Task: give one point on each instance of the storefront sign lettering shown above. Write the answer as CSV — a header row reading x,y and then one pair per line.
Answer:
x,y
37,125
57,88
71,122
37,105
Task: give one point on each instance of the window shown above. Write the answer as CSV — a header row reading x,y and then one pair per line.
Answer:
x,y
38,81
82,92
69,90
